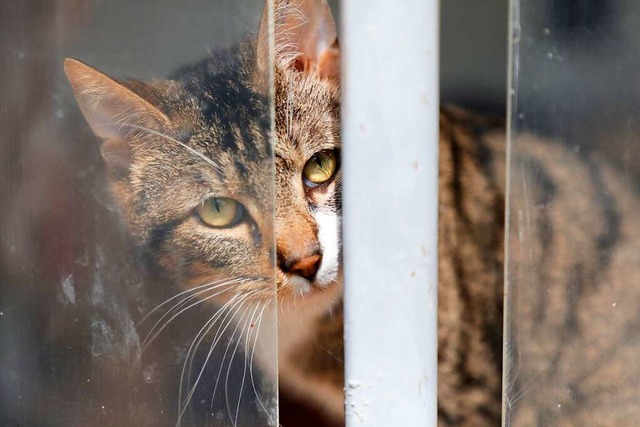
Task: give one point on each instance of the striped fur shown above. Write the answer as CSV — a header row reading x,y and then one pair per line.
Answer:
x,y
574,253
471,218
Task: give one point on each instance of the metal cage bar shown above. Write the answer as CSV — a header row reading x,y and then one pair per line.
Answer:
x,y
390,131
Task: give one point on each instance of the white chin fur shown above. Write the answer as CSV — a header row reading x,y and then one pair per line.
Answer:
x,y
301,285
328,235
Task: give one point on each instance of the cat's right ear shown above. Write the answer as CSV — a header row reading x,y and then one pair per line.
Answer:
x,y
305,37
114,112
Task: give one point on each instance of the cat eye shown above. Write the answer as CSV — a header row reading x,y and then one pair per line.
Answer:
x,y
320,168
220,212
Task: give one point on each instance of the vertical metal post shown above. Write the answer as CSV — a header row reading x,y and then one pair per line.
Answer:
x,y
390,110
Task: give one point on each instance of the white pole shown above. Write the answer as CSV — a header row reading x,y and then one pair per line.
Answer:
x,y
390,161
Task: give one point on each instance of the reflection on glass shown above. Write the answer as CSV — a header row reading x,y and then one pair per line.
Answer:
x,y
136,269
573,256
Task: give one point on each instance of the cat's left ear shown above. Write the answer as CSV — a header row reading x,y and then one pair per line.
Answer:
x,y
114,112
305,37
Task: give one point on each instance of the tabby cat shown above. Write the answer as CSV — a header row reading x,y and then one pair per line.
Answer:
x,y
188,158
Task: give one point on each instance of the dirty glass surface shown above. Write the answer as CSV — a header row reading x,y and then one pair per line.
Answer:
x,y
572,330
136,278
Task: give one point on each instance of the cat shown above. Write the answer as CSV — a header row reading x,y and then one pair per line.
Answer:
x,y
188,158
189,161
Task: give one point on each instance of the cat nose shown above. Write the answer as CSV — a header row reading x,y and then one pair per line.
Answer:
x,y
306,267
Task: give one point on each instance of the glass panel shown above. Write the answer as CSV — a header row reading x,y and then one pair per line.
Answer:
x,y
136,245
572,336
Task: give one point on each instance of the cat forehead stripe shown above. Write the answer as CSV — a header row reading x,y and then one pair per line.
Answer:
x,y
216,167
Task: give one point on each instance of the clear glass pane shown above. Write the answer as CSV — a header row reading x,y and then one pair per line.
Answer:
x,y
136,233
573,256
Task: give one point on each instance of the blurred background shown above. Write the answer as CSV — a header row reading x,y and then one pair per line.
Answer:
x,y
578,69
473,54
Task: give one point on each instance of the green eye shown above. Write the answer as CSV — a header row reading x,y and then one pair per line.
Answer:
x,y
220,212
320,168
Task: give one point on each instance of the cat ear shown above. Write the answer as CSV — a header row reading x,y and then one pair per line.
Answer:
x,y
113,111
305,37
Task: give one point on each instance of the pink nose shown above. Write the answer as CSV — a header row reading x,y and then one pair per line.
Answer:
x,y
306,267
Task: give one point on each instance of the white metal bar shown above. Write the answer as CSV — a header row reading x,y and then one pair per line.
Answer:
x,y
390,133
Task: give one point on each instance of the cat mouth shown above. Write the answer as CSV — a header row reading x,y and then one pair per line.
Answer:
x,y
292,285
299,285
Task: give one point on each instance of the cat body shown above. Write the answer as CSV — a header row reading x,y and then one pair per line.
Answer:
x,y
190,158
574,257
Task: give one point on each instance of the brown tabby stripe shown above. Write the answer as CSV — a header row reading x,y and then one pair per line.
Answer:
x,y
471,209
575,257
569,219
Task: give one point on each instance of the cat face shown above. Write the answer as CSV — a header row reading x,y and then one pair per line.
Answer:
x,y
190,161
308,182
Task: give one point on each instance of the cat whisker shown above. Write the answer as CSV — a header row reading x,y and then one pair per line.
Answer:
x,y
220,311
246,297
178,296
235,300
224,356
531,383
155,331
253,351
218,335
196,153
250,326
235,303
207,288
244,372
231,339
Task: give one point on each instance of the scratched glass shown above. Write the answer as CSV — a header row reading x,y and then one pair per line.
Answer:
x,y
106,318
573,254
